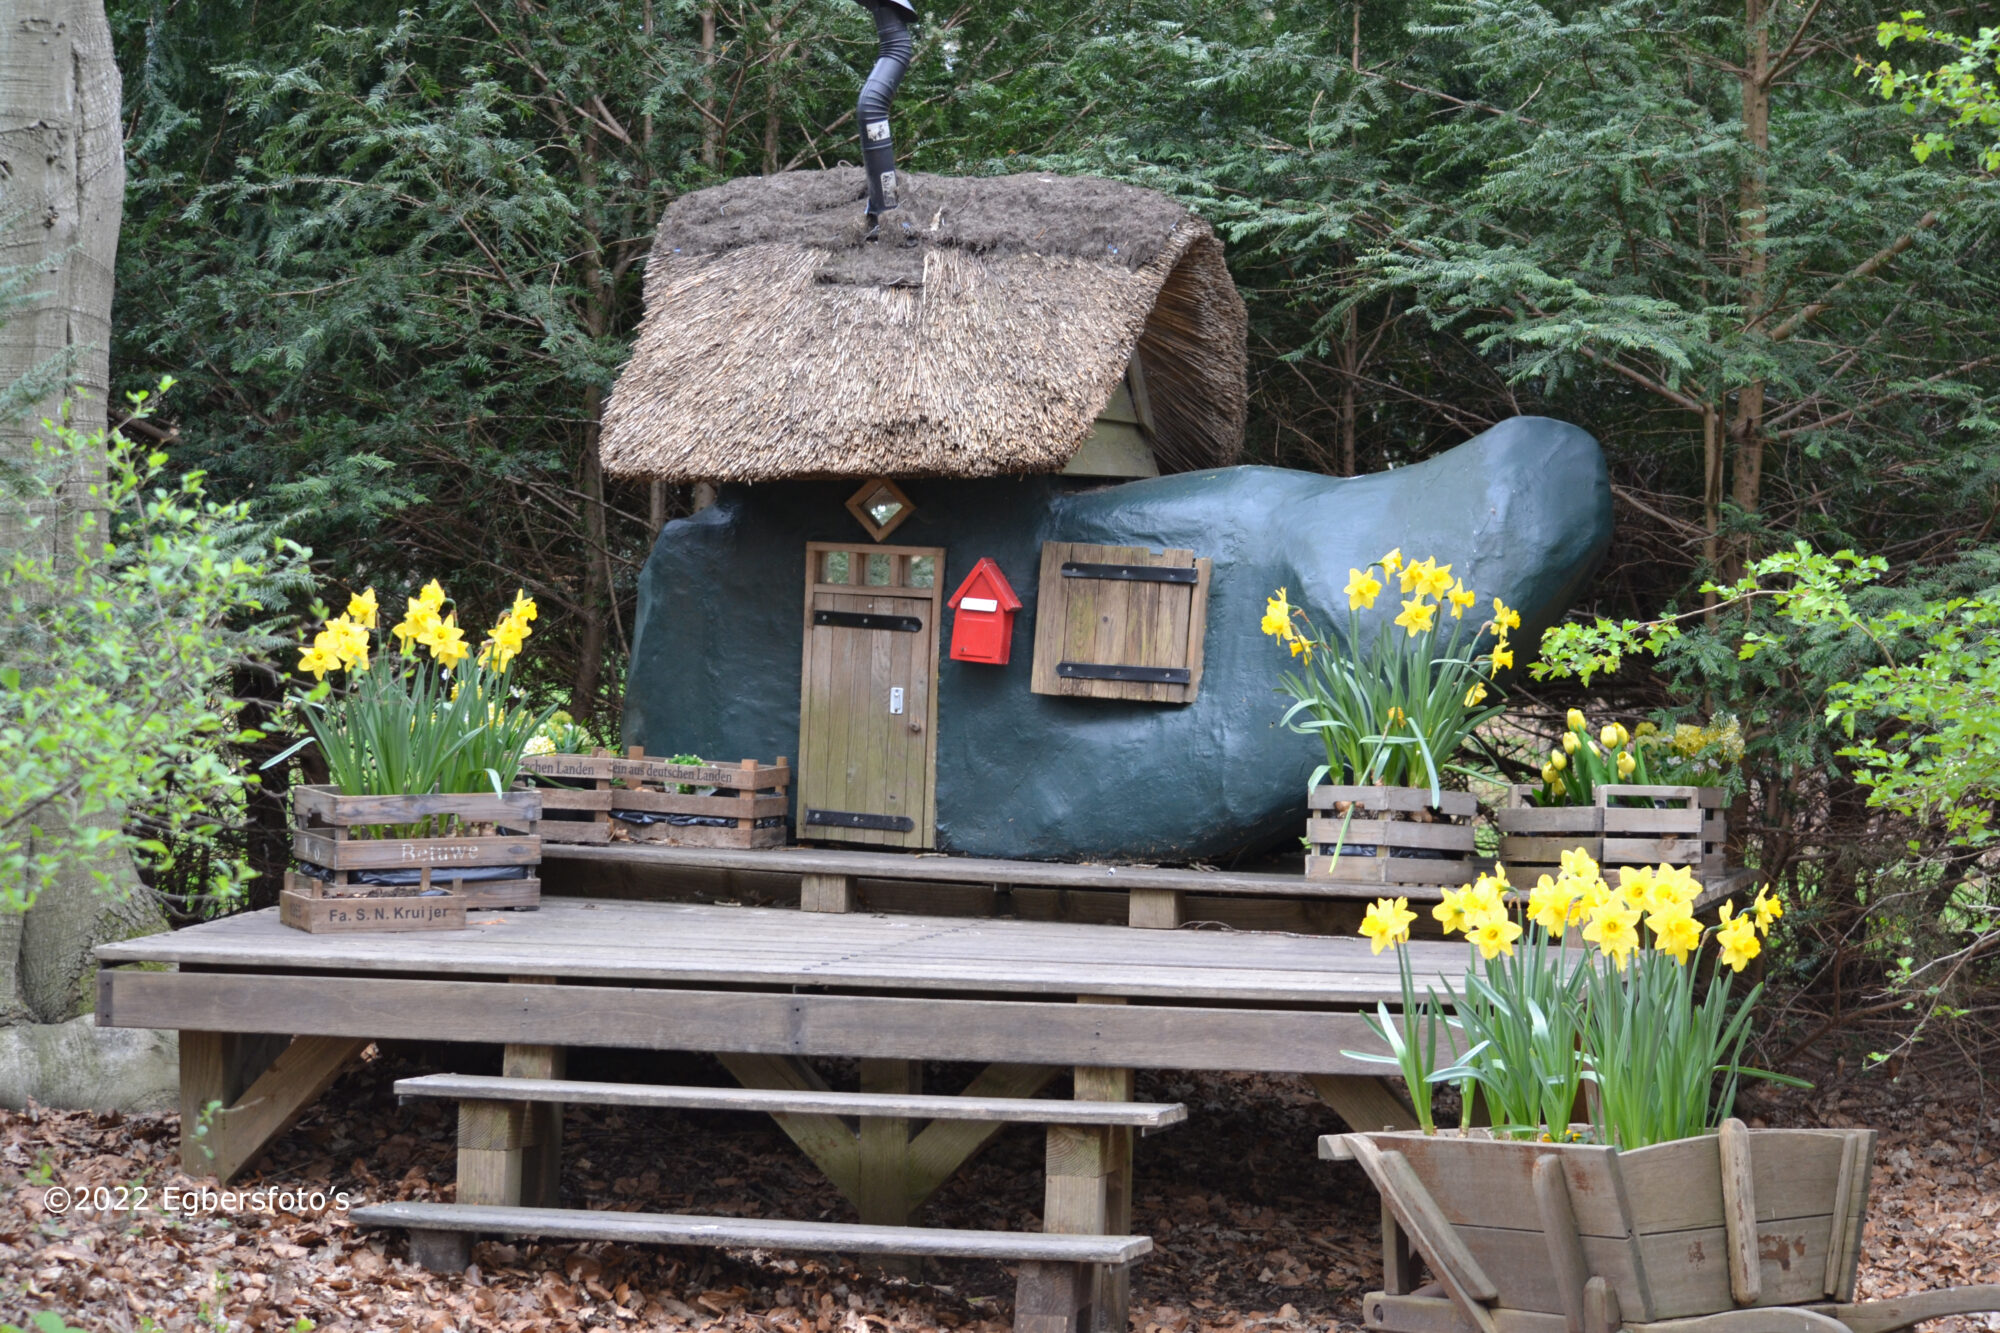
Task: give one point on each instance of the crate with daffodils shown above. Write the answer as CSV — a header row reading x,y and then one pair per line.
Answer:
x,y
1393,704
418,822
1606,1057
1625,798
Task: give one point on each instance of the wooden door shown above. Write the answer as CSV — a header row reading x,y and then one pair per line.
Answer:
x,y
868,695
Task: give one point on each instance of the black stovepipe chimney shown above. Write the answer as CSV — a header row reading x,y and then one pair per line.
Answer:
x,y
878,149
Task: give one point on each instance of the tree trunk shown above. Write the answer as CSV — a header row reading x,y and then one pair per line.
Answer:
x,y
62,188
1746,431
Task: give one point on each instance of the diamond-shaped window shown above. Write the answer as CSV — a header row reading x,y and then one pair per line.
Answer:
x,y
880,506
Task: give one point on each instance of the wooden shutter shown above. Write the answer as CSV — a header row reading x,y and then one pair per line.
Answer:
x,y
1120,622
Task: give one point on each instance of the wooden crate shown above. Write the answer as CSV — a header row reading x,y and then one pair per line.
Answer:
x,y
1682,826
756,808
571,813
305,904
1539,1236
1386,820
757,795
440,833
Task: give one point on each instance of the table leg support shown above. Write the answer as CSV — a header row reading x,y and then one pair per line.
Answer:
x,y
1089,1190
883,1196
1052,1298
826,893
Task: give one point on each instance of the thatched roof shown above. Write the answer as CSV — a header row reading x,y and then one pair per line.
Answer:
x,y
980,335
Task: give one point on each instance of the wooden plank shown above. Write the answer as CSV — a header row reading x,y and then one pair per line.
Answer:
x,y
1197,631
1411,799
274,1102
673,803
1149,1036
327,805
335,915
1627,823
754,1233
946,1144
1566,1260
704,835
826,893
1439,1242
825,1139
1394,1313
1391,833
399,853
1398,871
215,1068
1366,1104
883,1194
1850,1212
970,1105
1053,1298
572,798
1579,821
1920,1307
1739,1211
951,869
1155,909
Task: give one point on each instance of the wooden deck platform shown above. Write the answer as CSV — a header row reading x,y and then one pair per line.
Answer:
x,y
761,988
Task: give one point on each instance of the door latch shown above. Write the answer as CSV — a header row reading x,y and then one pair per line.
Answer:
x,y
896,700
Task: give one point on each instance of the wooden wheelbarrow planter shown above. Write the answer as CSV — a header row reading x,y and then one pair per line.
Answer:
x,y
1747,1231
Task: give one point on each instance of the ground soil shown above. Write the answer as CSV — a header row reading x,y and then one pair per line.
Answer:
x,y
1252,1231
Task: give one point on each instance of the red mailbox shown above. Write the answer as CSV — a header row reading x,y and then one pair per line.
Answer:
x,y
982,624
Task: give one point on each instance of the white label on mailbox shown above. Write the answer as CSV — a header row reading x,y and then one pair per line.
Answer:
x,y
896,699
978,604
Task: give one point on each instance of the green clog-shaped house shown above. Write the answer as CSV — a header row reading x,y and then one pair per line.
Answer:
x,y
1048,373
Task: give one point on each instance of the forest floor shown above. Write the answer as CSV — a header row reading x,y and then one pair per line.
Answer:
x,y
1252,1231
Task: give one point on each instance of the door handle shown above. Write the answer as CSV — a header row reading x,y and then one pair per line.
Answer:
x,y
916,727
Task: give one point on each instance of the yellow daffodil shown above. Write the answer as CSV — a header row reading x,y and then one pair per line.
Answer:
x,y
1485,900
1503,657
362,608
447,644
431,597
524,606
312,659
1767,910
416,625
1738,940
1578,864
1613,929
1302,647
1505,617
1462,599
1626,763
1387,923
1277,621
1676,885
1393,561
1495,936
1676,932
1414,576
1417,616
1397,717
1438,581
1476,695
1362,589
1552,904
1450,911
